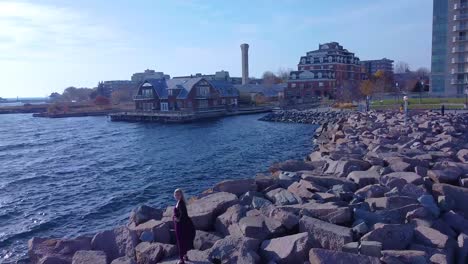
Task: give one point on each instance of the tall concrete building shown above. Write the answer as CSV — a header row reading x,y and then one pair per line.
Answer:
x,y
245,63
449,64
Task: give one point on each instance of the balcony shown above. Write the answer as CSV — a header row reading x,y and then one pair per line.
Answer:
x,y
459,50
143,97
460,6
460,17
459,82
460,39
460,28
459,61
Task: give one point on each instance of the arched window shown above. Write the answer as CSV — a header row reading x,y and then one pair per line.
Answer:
x,y
320,75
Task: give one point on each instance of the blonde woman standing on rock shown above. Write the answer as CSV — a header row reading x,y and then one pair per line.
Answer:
x,y
184,228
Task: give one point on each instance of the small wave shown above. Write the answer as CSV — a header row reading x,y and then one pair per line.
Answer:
x,y
24,181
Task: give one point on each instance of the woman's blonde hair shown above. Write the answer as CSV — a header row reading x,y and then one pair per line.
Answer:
x,y
181,193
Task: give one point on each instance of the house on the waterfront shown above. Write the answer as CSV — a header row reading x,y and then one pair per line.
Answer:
x,y
260,93
185,94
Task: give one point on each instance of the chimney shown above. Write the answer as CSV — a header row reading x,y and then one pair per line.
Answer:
x,y
245,63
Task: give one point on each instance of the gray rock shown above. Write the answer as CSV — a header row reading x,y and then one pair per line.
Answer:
x,y
408,177
456,221
116,243
146,236
324,234
232,216
144,213
371,248
431,237
258,203
236,187
324,256
232,249
391,202
351,247
281,196
205,240
462,248
454,194
287,249
391,236
56,249
260,227
147,253
123,260
427,201
364,178
158,229
89,256
372,191
404,256
205,210
287,219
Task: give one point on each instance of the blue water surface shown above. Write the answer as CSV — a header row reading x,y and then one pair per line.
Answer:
x,y
74,176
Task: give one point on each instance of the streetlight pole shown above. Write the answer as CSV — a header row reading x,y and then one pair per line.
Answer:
x,y
397,92
466,97
420,91
405,98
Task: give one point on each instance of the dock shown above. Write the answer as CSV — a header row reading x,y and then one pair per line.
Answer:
x,y
182,116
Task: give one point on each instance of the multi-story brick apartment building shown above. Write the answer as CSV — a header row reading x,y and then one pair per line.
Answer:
x,y
323,73
371,67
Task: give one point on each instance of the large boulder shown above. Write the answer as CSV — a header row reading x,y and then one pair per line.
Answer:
x,y
329,212
116,243
325,235
305,189
329,181
89,256
148,253
371,191
287,249
462,155
205,210
287,219
155,230
236,187
431,237
235,249
408,177
462,248
58,249
454,195
123,260
281,196
447,175
456,221
392,236
205,240
260,227
231,217
391,202
324,256
404,257
364,178
292,166
341,168
144,213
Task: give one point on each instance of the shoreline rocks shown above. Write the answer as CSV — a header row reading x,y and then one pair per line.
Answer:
x,y
372,191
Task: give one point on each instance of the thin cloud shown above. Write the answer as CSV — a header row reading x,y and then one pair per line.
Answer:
x,y
34,32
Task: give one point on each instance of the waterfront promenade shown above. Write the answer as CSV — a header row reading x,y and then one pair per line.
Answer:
x,y
374,190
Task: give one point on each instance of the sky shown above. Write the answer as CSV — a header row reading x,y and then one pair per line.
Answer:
x,y
48,45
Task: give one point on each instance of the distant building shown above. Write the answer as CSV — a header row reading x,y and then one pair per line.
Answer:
x,y
140,77
262,93
189,94
322,72
449,64
371,67
220,76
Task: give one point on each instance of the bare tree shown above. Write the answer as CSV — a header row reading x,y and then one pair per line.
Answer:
x,y
269,78
423,72
283,74
402,67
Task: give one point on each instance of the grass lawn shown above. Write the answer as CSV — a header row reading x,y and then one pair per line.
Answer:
x,y
416,100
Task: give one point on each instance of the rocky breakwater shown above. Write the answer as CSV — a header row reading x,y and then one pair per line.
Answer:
x,y
310,116
374,191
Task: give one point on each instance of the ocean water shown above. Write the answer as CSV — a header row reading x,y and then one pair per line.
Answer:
x,y
76,176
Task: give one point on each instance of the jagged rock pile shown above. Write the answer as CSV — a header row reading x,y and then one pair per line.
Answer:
x,y
374,191
305,116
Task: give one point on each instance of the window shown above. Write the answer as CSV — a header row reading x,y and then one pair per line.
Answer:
x,y
293,85
223,101
320,84
203,91
203,104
